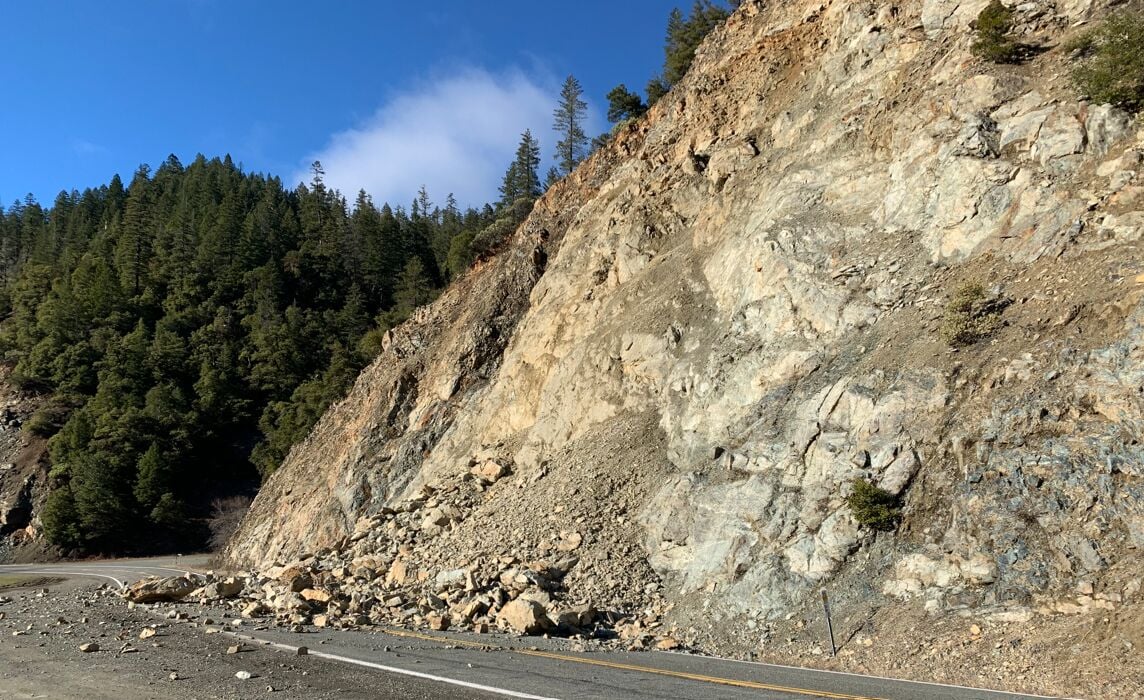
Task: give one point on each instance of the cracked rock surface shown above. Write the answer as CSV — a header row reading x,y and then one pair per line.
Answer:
x,y
699,340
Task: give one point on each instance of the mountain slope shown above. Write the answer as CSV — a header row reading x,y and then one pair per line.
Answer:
x,y
700,340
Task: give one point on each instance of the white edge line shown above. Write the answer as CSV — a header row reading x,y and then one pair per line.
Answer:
x,y
427,676
516,694
390,669
65,569
870,677
137,569
72,573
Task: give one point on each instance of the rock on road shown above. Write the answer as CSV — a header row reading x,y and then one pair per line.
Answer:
x,y
40,657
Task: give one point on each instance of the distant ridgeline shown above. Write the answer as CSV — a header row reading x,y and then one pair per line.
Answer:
x,y
188,329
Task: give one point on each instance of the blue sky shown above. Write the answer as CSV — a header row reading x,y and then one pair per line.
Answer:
x,y
97,88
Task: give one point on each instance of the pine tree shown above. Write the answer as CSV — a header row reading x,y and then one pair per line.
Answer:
x,y
353,318
624,104
684,37
133,250
521,180
568,123
61,518
422,206
153,478
551,177
528,160
414,289
678,51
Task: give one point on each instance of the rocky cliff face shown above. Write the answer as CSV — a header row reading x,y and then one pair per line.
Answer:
x,y
701,339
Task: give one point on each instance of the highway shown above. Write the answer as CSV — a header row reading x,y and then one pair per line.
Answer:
x,y
499,665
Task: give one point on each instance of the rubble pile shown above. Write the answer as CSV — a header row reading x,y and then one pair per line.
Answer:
x,y
400,567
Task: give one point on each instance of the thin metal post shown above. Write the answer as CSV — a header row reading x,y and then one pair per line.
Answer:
x,y
829,624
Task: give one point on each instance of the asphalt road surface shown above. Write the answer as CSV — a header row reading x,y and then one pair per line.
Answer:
x,y
447,665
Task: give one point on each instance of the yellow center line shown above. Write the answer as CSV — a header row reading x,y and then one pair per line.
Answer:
x,y
693,676
755,685
431,638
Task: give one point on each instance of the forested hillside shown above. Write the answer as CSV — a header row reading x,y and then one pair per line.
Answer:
x,y
187,328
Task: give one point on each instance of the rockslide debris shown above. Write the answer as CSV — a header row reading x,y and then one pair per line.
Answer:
x,y
697,342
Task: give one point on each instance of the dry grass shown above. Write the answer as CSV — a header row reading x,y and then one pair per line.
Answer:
x,y
13,581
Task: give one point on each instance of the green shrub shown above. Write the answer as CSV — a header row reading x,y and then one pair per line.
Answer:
x,y
1112,61
493,236
873,507
50,417
1081,44
970,315
993,42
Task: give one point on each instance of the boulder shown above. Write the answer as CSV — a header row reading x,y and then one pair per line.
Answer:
x,y
584,615
290,602
452,578
525,617
255,609
317,595
899,472
296,579
471,609
489,471
435,518
569,541
224,589
398,573
667,644
566,621
161,590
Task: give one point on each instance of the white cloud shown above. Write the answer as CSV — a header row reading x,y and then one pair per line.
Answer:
x,y
454,135
83,147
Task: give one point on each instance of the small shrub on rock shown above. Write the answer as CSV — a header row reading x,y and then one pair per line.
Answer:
x,y
51,416
993,41
493,236
1111,68
971,315
873,507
